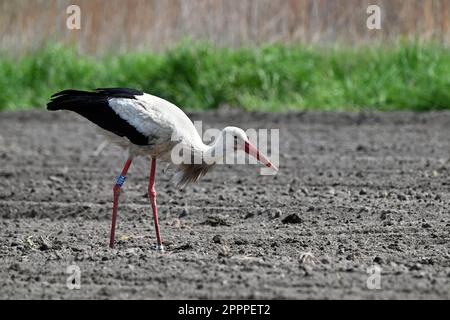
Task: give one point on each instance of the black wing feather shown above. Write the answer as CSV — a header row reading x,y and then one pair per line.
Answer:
x,y
95,107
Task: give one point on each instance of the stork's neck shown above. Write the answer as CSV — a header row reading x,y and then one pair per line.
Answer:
x,y
212,153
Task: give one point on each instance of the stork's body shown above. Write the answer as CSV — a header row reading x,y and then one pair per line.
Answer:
x,y
148,125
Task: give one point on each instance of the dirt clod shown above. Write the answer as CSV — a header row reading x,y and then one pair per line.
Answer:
x,y
184,213
249,215
217,238
378,260
292,219
215,221
274,214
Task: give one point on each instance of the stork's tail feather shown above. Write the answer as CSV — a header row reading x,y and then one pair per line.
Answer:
x,y
71,99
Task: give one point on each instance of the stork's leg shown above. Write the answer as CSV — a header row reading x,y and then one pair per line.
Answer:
x,y
152,196
116,190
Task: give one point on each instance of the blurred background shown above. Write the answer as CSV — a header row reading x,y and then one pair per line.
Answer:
x,y
123,25
257,54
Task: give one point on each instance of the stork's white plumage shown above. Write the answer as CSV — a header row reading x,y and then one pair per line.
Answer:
x,y
148,125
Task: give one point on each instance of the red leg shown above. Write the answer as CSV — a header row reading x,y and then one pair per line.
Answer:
x,y
116,190
152,195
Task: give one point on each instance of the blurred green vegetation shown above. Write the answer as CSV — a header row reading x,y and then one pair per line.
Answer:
x,y
405,76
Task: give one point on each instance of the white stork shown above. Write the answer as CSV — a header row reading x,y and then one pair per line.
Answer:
x,y
148,125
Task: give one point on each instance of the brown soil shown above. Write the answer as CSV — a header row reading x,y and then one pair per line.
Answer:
x,y
354,190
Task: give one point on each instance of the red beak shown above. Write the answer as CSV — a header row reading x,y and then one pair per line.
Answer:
x,y
254,152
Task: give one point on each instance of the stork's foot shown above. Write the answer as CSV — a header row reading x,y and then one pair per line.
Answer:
x,y
159,248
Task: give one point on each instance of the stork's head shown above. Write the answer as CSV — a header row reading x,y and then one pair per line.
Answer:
x,y
236,139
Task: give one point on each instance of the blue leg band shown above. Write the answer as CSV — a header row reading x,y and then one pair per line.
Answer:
x,y
121,180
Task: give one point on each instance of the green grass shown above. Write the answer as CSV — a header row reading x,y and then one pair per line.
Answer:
x,y
406,76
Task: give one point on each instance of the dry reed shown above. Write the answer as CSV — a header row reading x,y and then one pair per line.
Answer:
x,y
138,25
